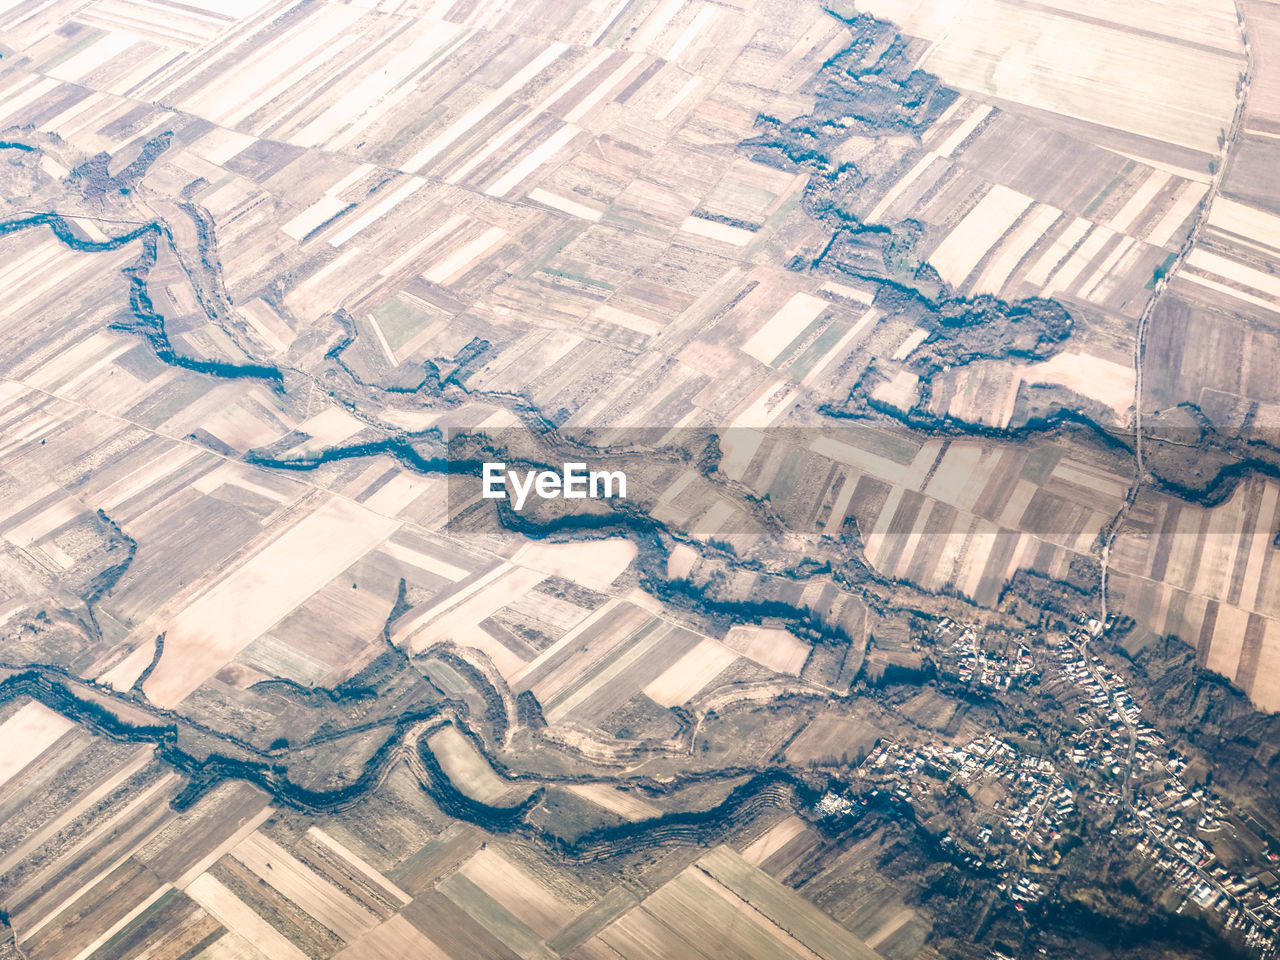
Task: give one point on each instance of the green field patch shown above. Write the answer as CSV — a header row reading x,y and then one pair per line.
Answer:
x,y
553,250
772,225
445,676
1106,191
810,332
400,322
141,362
405,134
833,739
878,912
643,227
208,188
437,855
256,503
829,337
142,926
568,816
167,401
792,470
1137,640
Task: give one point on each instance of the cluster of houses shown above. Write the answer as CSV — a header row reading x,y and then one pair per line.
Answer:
x,y
1174,823
1116,760
1028,809
977,665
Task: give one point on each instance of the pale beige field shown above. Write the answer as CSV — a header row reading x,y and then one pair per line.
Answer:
x,y
1246,222
605,668
1066,240
235,914
245,829
460,622
684,678
784,326
1236,273
1107,381
516,890
1188,198
27,734
773,840
902,390
986,392
88,800
733,236
1032,227
594,563
245,603
304,887
630,615
966,245
101,940
891,926
56,889
625,804
755,914
777,649
1123,220
1266,687
1064,278
397,937
1229,290
465,767
1090,64
877,213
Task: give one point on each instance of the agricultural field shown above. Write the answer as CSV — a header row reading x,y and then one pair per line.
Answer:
x,y
908,325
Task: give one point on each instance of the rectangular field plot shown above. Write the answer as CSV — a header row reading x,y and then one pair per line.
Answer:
x,y
833,739
1171,88
779,650
751,913
27,734
517,891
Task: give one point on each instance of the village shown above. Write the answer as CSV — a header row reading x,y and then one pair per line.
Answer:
x,y
1116,771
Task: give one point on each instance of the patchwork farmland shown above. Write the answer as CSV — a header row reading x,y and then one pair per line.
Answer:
x,y
907,321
